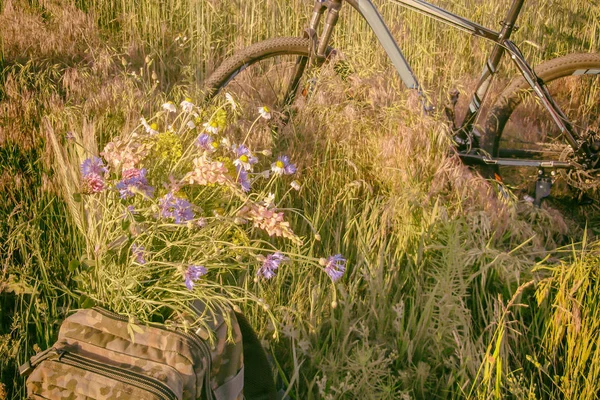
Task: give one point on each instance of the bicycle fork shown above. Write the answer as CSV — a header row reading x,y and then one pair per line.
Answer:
x,y
320,44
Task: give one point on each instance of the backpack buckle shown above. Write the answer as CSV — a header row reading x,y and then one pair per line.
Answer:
x,y
48,354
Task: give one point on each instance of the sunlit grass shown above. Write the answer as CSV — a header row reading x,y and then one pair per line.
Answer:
x,y
433,303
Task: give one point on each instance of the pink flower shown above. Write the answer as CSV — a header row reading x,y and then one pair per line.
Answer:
x,y
92,183
125,154
269,220
207,172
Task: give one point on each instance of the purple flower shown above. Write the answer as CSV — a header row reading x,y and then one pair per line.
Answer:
x,y
335,267
175,207
134,179
192,274
283,166
244,159
242,179
93,165
138,253
271,263
206,142
70,135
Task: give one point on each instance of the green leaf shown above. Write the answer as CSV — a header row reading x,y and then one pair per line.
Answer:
x,y
77,197
136,328
125,224
73,264
138,218
87,264
18,287
86,301
132,329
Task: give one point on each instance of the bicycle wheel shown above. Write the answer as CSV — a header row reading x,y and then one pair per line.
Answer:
x,y
518,125
267,74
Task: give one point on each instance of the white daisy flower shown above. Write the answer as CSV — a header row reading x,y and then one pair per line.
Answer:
x,y
245,159
270,201
295,185
187,105
191,124
211,127
264,112
150,129
170,107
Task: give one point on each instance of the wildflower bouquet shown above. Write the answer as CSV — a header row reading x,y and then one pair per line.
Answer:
x,y
175,211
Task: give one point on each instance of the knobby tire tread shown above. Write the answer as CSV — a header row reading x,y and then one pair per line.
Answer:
x,y
255,52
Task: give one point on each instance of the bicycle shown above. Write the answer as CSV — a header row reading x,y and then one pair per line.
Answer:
x,y
564,138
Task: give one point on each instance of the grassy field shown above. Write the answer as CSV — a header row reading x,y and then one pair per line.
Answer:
x,y
452,291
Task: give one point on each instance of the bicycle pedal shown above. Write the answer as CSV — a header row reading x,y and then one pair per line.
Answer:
x,y
542,190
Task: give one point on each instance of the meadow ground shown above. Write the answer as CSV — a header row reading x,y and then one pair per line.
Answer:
x,y
452,291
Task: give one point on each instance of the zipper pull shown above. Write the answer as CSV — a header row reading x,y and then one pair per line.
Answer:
x,y
48,354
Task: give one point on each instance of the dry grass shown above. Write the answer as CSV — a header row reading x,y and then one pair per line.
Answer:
x,y
436,251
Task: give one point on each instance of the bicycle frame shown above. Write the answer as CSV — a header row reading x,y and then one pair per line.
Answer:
x,y
369,12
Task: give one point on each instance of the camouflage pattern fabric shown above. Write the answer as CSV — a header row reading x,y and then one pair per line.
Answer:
x,y
96,358
227,353
54,380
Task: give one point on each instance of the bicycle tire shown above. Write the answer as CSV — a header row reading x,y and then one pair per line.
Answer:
x,y
517,111
265,74
235,64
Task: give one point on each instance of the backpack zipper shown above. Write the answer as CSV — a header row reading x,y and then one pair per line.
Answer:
x,y
191,337
154,386
203,346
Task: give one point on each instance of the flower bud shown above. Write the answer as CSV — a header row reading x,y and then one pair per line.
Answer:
x,y
240,221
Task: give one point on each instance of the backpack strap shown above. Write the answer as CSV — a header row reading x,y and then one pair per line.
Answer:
x,y
258,380
232,389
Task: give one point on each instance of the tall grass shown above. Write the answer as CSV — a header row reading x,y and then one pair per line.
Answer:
x,y
438,300
215,28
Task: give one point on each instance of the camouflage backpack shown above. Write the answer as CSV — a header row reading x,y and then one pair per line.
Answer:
x,y
96,358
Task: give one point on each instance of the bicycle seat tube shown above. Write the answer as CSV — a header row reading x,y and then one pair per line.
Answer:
x,y
508,25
